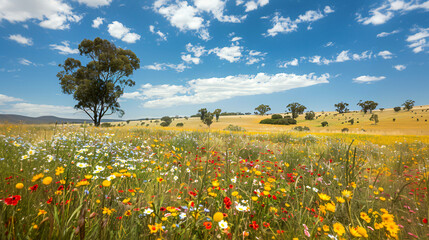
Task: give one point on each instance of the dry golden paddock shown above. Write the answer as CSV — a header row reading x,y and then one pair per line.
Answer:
x,y
405,123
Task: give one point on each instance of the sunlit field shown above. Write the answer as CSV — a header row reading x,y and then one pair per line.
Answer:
x,y
75,182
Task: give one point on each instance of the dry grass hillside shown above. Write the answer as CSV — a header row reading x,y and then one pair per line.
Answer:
x,y
414,122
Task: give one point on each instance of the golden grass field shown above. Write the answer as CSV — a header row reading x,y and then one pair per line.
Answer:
x,y
405,124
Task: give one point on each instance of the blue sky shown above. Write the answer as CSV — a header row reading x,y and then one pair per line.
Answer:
x,y
228,54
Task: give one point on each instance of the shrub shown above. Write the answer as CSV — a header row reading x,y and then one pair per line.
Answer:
x,y
283,121
234,128
324,124
310,115
276,116
344,130
164,124
397,109
106,125
301,128
179,125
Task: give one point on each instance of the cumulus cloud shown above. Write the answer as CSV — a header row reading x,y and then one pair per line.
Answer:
x,y
385,54
97,22
400,67
231,54
51,14
189,17
193,53
418,41
385,34
389,9
95,3
253,4
329,44
164,66
343,56
293,62
64,48
162,36
7,99
368,79
21,39
212,90
287,25
119,31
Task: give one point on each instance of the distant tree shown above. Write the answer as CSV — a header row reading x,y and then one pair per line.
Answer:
x,y
202,112
367,105
98,85
296,109
381,109
310,115
262,109
408,105
217,114
397,109
324,123
374,117
208,119
166,121
341,107
351,121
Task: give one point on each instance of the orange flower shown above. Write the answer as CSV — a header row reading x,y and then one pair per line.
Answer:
x,y
208,225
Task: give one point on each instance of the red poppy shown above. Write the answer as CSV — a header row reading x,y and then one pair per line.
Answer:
x,y
425,220
162,209
208,225
49,201
227,202
267,225
254,225
12,200
33,188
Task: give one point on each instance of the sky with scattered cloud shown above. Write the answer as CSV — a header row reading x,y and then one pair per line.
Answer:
x,y
228,54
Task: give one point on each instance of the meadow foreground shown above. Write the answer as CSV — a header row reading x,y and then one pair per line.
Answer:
x,y
71,182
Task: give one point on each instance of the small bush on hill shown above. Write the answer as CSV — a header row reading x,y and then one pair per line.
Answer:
x,y
234,128
283,121
324,123
301,128
397,109
179,125
276,116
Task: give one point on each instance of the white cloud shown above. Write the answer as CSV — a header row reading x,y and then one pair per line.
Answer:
x,y
21,39
362,56
388,9
25,62
37,110
52,14
210,90
385,34
236,39
164,66
368,79
162,36
343,56
329,44
64,49
293,62
7,99
119,31
254,4
418,40
385,54
231,54
95,3
286,25
254,57
187,17
193,53
400,67
97,22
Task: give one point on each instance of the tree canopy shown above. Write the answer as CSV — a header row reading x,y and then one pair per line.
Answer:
x,y
98,85
262,109
341,107
367,105
296,109
408,105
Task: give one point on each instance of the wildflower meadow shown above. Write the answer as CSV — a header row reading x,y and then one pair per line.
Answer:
x,y
74,182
